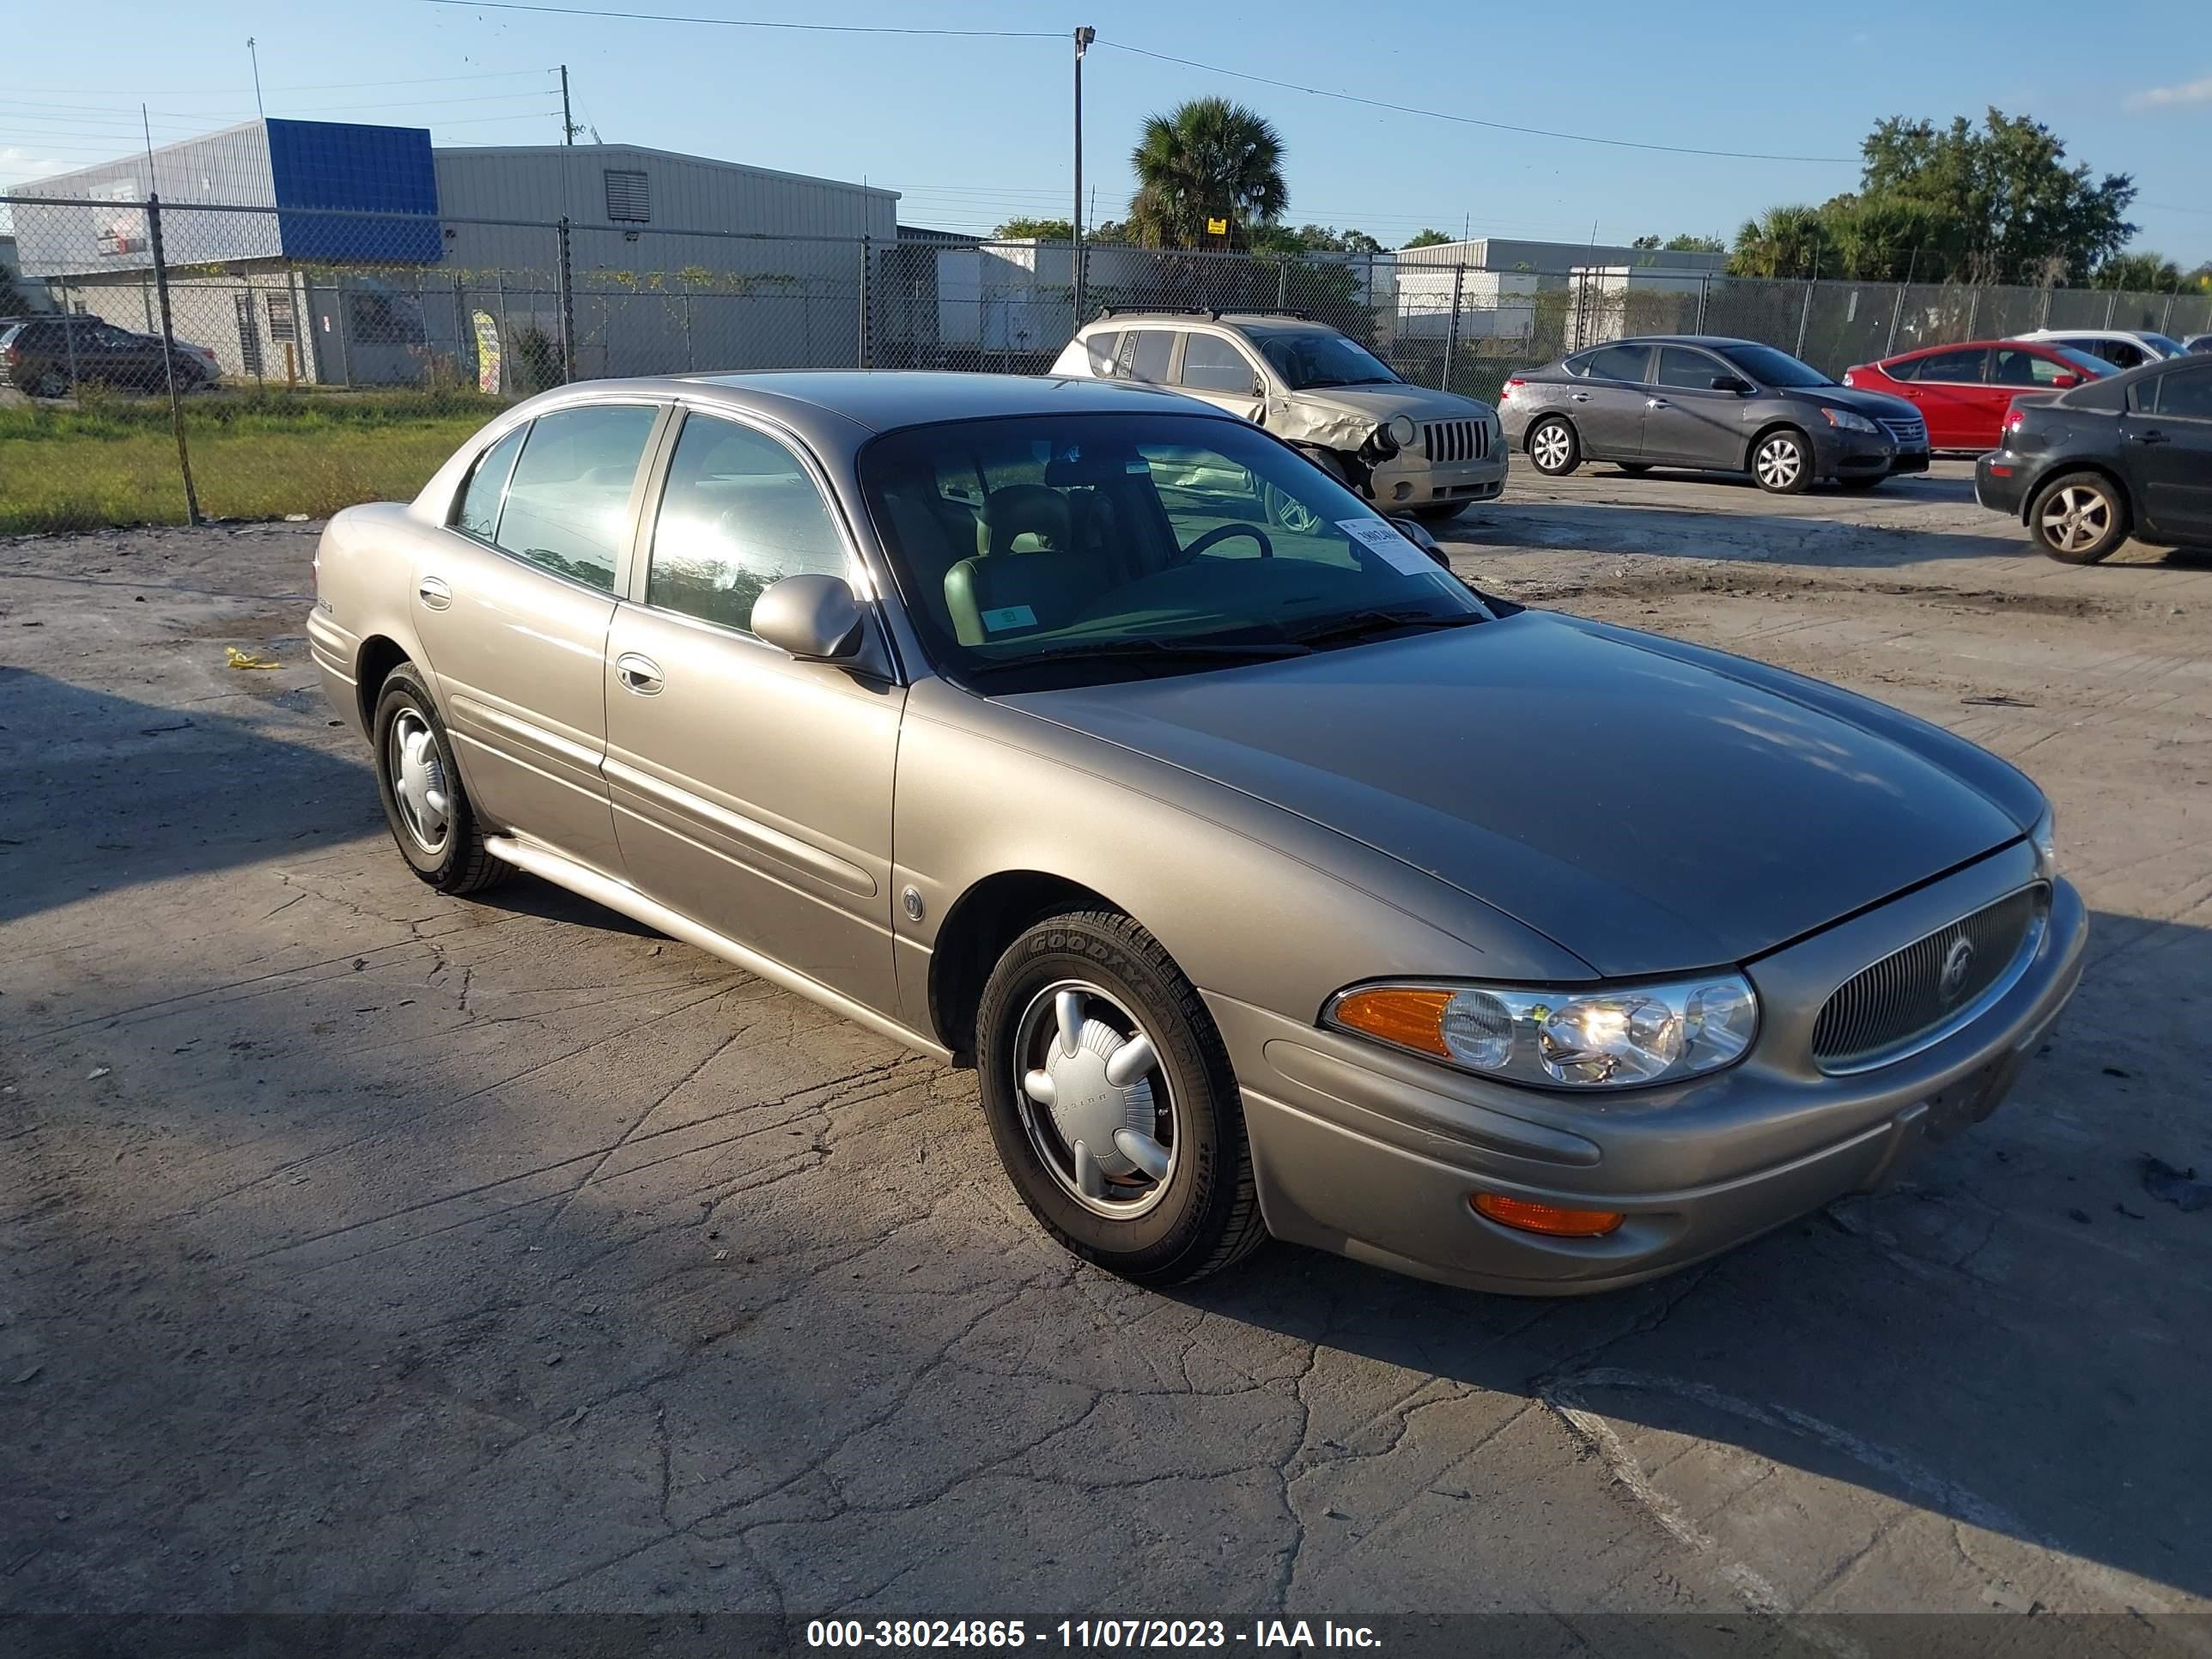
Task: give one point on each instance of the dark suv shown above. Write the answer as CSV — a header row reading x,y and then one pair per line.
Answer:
x,y
2130,454
50,356
1705,401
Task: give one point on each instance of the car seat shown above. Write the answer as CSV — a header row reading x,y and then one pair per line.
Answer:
x,y
1026,575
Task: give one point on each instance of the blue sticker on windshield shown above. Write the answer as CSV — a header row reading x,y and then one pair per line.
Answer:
x,y
1006,616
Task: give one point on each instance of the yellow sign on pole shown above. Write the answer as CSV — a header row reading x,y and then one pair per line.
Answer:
x,y
1217,227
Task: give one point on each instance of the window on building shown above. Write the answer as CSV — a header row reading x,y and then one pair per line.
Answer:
x,y
629,201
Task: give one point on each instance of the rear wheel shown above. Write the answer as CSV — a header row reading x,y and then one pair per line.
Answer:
x,y
424,801
1782,462
1112,1104
2078,518
52,383
1553,447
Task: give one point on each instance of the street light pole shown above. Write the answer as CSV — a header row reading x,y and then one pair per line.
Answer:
x,y
1083,37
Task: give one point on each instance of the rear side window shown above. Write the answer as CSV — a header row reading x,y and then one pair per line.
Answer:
x,y
478,514
1612,363
1145,353
739,512
2186,394
1958,367
567,502
1209,363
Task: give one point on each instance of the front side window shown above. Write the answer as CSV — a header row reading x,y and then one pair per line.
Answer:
x,y
479,513
1958,367
2186,394
1209,363
1309,359
1765,366
1613,363
568,503
1107,546
739,512
1679,366
2014,366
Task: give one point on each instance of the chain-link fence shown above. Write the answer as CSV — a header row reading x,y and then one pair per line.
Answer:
x,y
180,360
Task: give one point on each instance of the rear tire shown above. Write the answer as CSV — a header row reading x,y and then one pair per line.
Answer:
x,y
424,800
1553,446
52,383
1782,462
2078,518
1042,1099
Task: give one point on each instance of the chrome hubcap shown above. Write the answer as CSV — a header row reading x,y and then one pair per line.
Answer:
x,y
1094,1100
2075,518
1550,449
418,782
1779,462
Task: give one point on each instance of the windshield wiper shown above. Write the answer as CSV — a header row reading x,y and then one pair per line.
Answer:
x,y
1359,624
1156,650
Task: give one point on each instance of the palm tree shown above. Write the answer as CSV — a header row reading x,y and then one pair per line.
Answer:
x,y
1783,241
1208,158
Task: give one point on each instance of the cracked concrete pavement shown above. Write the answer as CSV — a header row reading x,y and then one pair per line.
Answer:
x,y
366,1250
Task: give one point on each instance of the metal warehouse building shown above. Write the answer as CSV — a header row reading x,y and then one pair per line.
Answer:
x,y
342,253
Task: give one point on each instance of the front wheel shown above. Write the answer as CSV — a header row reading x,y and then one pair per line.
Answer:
x,y
1783,463
1112,1104
2078,518
424,801
1553,447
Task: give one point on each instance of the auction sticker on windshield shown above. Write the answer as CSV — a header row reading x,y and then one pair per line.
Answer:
x,y
1400,554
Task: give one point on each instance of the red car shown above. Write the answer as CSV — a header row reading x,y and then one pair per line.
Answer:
x,y
1962,391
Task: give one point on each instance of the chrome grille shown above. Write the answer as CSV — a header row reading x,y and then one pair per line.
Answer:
x,y
1447,441
1882,1010
1910,433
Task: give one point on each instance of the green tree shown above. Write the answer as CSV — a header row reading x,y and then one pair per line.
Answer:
x,y
1426,239
1883,238
1783,241
1647,242
1312,238
1686,243
1045,230
1207,159
2141,273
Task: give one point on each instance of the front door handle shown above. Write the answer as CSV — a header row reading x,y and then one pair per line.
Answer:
x,y
1655,403
639,674
1579,397
2154,436
434,592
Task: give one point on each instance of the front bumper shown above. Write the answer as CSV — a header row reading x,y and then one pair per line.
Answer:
x,y
2001,483
1842,455
1375,1156
1407,480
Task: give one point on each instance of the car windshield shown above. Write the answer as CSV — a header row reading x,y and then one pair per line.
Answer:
x,y
1775,368
1049,550
2083,360
1309,359
2171,348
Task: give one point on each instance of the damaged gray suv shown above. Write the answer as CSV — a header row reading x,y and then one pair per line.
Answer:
x,y
1411,449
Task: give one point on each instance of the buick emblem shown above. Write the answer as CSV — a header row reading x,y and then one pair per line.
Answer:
x,y
1956,961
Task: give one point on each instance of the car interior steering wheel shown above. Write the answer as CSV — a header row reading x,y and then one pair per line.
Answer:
x,y
1222,532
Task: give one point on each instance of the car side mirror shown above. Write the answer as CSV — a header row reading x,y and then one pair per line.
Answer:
x,y
2065,379
1730,383
1411,531
1259,387
814,617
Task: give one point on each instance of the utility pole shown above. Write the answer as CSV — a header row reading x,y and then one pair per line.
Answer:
x,y
254,53
1083,37
568,126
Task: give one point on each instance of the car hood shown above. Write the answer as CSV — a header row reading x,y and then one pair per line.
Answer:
x,y
1647,814
1875,405
1376,404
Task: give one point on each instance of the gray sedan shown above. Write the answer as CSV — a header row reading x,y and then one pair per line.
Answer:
x,y
1273,880
1705,401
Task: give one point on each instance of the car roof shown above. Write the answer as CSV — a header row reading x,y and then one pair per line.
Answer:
x,y
883,400
2087,334
1710,342
1272,322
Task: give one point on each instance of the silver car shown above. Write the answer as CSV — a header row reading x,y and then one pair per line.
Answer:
x,y
1416,451
1273,880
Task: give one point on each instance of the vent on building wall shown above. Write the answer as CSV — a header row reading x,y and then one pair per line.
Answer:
x,y
628,201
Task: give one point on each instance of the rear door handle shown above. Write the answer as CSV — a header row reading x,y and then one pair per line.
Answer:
x,y
1579,397
434,592
1657,402
639,674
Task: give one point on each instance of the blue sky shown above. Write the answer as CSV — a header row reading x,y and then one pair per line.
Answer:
x,y
975,131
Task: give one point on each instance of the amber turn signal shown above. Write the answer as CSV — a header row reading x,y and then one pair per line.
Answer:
x,y
1531,1217
1409,1016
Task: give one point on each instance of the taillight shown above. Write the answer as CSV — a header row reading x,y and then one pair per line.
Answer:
x,y
2014,419
1512,387
1848,380
14,356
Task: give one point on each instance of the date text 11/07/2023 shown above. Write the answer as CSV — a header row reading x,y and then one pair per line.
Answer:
x,y
1088,1635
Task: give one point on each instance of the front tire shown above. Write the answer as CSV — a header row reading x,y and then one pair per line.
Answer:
x,y
1112,1104
424,800
1553,446
1782,463
2078,518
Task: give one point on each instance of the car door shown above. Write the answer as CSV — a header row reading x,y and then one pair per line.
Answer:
x,y
751,791
1686,421
512,605
1218,371
1606,405
1949,389
2015,369
2167,449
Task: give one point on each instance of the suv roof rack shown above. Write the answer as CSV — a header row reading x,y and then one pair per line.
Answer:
x,y
1211,313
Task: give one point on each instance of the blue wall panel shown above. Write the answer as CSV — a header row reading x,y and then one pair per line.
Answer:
x,y
366,169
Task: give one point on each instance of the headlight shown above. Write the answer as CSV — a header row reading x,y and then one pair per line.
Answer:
x,y
2044,838
1848,421
1608,1037
1402,431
